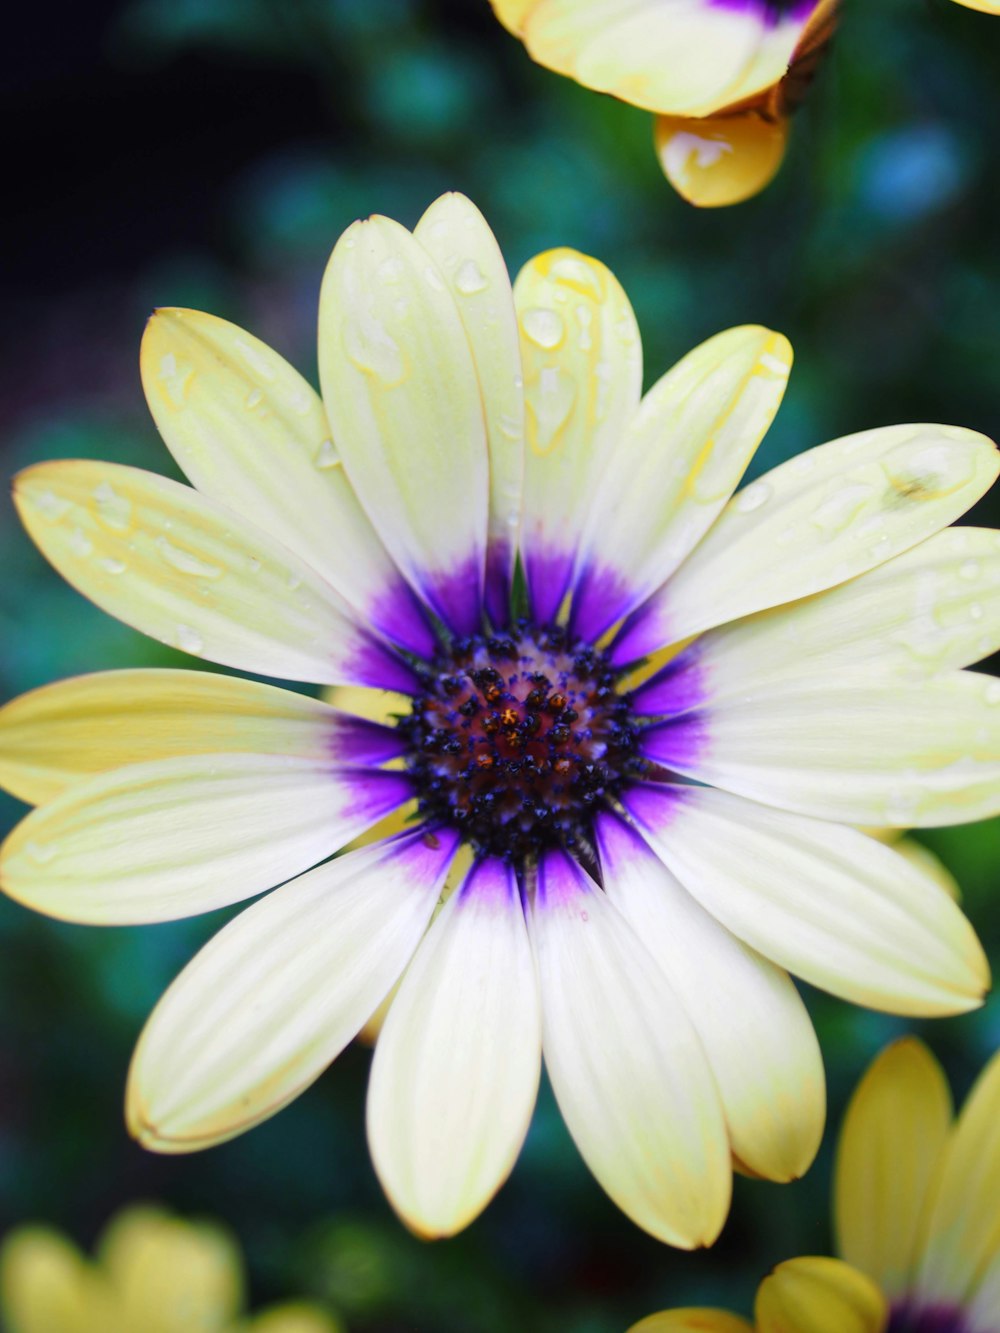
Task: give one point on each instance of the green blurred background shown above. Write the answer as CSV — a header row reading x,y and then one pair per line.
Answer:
x,y
208,153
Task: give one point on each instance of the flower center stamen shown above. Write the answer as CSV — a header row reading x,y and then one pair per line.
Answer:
x,y
518,741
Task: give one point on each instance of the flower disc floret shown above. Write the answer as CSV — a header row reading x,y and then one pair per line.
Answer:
x,y
518,740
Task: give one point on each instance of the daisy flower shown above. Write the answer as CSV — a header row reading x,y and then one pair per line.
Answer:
x,y
916,1212
722,77
152,1271
485,516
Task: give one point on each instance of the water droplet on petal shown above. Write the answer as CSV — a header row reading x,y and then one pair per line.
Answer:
x,y
79,543
254,399
391,269
186,563
544,328
327,456
111,565
51,505
42,852
470,278
189,640
992,692
753,497
969,569
114,510
371,348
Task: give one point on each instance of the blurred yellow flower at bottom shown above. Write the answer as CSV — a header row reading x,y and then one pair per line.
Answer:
x,y
152,1273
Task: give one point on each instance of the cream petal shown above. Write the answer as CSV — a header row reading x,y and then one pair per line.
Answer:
x,y
456,235
275,996
76,728
458,1060
819,1295
893,1133
250,432
626,1065
932,609
189,572
403,398
828,903
893,753
665,55
815,522
960,1234
754,1027
174,837
582,379
677,463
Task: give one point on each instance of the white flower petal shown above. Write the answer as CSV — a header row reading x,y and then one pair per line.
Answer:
x,y
582,379
673,470
754,1027
173,837
192,573
932,609
61,733
457,1063
266,1005
816,521
457,236
893,753
402,395
828,903
627,1068
250,432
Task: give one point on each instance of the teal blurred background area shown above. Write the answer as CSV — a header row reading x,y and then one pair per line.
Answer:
x,y
208,153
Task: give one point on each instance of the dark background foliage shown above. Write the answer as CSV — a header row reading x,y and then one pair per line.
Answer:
x,y
208,153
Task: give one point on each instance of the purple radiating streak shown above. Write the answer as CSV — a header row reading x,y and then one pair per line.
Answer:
x,y
909,1318
457,597
677,743
642,634
600,598
617,842
490,880
398,615
356,740
653,804
680,686
547,574
560,879
378,666
374,792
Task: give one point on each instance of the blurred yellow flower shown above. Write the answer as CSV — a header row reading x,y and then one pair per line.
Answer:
x,y
153,1273
916,1214
722,77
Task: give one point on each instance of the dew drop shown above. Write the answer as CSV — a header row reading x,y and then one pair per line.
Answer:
x,y
545,328
969,569
327,456
253,565
41,852
391,269
111,565
975,611
79,543
992,692
186,563
434,279
842,508
189,640
51,505
114,510
470,278
254,399
373,351
753,497
255,359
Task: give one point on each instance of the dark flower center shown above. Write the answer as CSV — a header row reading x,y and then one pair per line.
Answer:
x,y
519,740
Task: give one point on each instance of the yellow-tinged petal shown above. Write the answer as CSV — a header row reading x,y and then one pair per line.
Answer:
x,y
960,1233
383,706
177,836
626,1065
850,753
692,1320
456,235
720,160
895,1128
932,609
402,394
664,55
294,1318
170,1275
194,574
76,728
828,903
675,466
752,1023
275,996
582,381
984,6
250,432
815,522
46,1286
457,1064
930,865
819,1295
